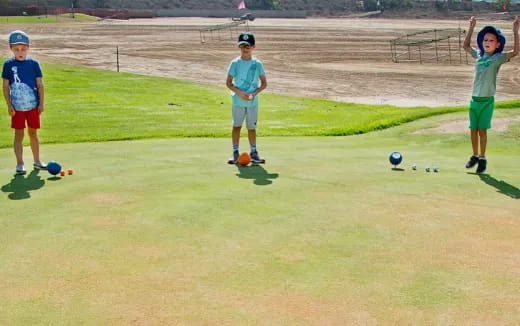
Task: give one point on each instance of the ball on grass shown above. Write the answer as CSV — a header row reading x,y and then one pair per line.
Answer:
x,y
244,159
395,158
53,167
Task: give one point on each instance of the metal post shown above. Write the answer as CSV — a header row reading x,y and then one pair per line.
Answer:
x,y
436,52
460,46
72,8
117,56
409,53
449,49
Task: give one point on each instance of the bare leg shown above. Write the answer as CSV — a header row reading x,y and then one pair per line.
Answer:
x,y
235,135
251,135
474,141
35,144
18,145
483,141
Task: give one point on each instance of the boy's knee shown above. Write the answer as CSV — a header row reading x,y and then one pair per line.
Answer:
x,y
19,133
32,132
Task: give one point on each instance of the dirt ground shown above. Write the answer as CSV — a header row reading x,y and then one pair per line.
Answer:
x,y
339,59
461,126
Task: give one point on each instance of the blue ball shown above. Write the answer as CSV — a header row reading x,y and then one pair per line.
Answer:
x,y
396,158
53,167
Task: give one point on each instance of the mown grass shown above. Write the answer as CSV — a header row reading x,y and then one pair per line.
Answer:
x,y
85,105
164,232
46,18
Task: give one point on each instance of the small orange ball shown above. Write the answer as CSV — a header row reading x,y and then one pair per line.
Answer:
x,y
62,173
244,159
70,171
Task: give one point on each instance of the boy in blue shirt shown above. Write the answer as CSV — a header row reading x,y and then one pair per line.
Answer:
x,y
489,59
24,95
244,75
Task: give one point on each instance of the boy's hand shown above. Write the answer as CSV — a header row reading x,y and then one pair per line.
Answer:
x,y
11,111
472,22
516,23
40,108
245,96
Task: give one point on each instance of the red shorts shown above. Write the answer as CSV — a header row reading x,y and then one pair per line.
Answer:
x,y
32,117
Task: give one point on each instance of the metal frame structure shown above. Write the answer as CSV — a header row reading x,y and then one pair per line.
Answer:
x,y
231,26
438,45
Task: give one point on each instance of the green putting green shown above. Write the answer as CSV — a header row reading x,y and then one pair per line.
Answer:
x,y
163,231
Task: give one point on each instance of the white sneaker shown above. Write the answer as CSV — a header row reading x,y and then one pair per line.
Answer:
x,y
40,166
20,169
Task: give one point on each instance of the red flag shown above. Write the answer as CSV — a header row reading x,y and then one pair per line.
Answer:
x,y
242,5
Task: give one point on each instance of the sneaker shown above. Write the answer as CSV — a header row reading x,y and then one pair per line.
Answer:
x,y
473,160
234,158
482,165
40,166
255,158
20,169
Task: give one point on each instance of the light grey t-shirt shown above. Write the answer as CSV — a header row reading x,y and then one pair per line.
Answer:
x,y
486,70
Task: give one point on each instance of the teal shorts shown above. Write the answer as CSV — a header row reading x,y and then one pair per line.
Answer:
x,y
481,112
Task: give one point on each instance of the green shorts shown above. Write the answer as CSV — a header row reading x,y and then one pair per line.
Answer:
x,y
481,112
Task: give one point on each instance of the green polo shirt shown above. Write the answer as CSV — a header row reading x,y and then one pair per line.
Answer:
x,y
486,70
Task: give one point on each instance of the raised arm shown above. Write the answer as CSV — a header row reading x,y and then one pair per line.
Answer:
x,y
516,47
467,40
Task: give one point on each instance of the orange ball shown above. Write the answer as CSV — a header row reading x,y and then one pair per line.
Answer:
x,y
62,173
70,171
244,159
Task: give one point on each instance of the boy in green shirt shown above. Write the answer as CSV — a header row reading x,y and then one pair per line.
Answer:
x,y
489,58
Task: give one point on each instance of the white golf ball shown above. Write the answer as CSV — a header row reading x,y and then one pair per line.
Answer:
x,y
435,169
427,169
414,167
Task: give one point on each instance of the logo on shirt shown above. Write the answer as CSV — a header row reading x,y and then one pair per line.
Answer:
x,y
23,97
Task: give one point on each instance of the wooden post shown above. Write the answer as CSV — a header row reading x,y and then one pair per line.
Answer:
x,y
117,56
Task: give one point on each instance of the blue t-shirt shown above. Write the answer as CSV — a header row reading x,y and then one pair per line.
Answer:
x,y
246,77
22,81
486,71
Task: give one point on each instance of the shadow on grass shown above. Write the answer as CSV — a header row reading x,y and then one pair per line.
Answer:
x,y
256,172
397,169
20,186
501,186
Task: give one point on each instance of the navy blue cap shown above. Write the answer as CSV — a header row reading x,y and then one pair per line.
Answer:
x,y
18,37
246,38
493,30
